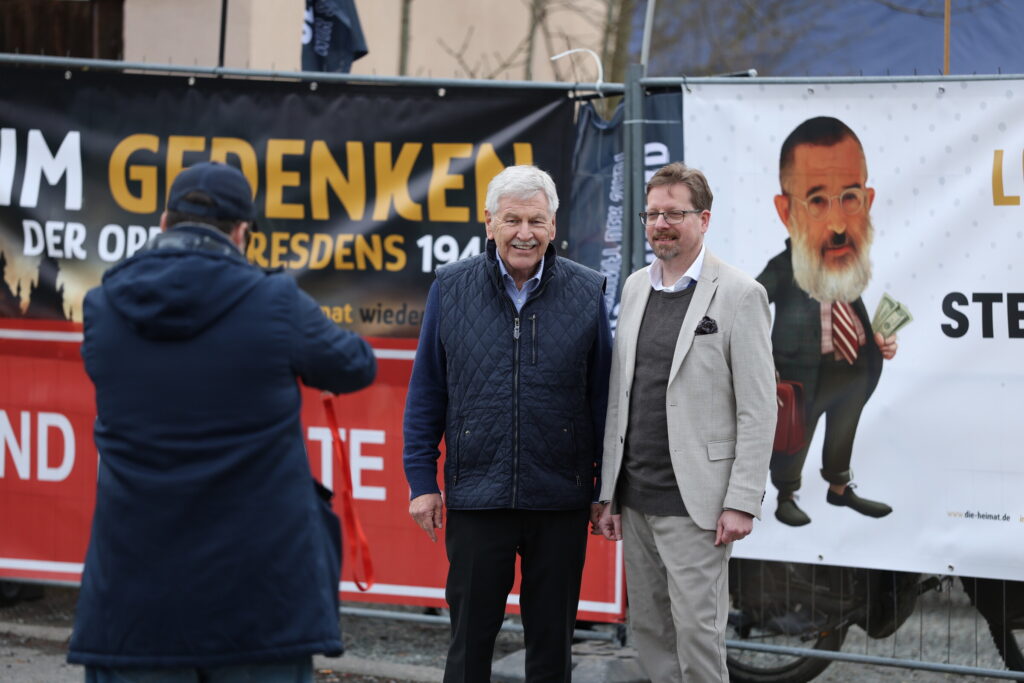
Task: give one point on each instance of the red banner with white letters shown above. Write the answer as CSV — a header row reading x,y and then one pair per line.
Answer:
x,y
48,474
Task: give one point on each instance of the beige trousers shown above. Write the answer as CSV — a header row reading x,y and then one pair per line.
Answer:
x,y
677,584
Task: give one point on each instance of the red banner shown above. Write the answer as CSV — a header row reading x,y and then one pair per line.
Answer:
x,y
48,474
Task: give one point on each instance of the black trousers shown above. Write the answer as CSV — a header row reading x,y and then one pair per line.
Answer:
x,y
482,546
841,394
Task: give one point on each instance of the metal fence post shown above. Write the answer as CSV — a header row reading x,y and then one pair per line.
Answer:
x,y
633,146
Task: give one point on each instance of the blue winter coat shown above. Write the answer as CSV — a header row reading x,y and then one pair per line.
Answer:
x,y
207,545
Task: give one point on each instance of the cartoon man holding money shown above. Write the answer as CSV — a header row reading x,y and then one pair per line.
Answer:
x,y
821,335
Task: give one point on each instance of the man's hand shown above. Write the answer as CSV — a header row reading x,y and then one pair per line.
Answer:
x,y
428,511
886,346
595,516
610,525
732,526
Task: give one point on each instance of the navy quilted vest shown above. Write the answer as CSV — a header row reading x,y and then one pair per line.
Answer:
x,y
518,430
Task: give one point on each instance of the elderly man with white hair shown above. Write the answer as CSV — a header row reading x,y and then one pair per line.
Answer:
x,y
512,370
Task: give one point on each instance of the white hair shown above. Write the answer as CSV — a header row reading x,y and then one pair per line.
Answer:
x,y
521,182
825,284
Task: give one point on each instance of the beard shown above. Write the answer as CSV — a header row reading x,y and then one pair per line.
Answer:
x,y
666,252
844,283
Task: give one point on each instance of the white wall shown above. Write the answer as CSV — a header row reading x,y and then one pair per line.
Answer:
x,y
265,34
261,34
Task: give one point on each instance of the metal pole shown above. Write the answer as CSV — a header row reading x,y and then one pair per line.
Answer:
x,y
645,45
403,40
945,56
676,82
837,656
314,76
442,620
633,148
95,30
223,31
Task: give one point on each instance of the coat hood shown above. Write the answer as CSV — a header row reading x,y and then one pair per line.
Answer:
x,y
181,283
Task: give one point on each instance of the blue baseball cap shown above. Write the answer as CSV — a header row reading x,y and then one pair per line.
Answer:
x,y
226,187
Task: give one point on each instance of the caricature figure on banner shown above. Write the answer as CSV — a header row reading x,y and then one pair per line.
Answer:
x,y
821,335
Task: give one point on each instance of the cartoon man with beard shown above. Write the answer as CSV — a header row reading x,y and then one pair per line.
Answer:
x,y
822,335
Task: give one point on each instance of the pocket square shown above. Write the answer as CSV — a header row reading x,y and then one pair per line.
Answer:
x,y
706,326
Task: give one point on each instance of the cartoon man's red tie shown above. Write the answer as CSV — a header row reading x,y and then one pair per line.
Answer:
x,y
844,334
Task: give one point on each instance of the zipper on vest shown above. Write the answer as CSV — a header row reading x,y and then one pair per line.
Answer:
x,y
533,327
515,412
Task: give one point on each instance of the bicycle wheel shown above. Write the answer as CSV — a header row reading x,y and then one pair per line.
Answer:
x,y
750,666
1009,640
784,604
1002,605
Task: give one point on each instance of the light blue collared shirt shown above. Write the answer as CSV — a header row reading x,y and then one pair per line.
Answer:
x,y
519,296
692,274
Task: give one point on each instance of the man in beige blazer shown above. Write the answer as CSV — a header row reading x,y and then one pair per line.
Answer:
x,y
691,419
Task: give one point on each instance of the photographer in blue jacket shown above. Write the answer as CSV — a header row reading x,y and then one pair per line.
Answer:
x,y
209,557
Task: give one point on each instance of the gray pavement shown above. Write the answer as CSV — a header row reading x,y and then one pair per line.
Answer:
x,y
35,654
33,642
603,663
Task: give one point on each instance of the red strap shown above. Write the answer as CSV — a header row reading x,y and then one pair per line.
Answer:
x,y
362,563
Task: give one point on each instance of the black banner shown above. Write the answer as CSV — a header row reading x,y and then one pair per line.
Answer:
x,y
599,183
332,37
362,191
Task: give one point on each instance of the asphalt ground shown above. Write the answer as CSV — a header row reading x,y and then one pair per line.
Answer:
x,y
33,645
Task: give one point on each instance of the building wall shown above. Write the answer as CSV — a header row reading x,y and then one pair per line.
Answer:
x,y
475,38
448,38
261,34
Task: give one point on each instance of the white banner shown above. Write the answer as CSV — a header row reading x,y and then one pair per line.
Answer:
x,y
940,438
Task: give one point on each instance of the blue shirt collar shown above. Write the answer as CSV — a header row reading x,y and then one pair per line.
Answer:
x,y
530,284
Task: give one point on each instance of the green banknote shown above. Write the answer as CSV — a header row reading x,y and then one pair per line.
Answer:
x,y
890,316
886,306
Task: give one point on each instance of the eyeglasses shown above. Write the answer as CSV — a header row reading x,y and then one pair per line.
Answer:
x,y
671,217
818,205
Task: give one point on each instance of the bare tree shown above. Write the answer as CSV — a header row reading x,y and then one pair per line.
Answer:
x,y
708,38
486,64
538,14
935,9
403,39
604,26
611,20
693,37
618,30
